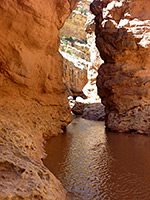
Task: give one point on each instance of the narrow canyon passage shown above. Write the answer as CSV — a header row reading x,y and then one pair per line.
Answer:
x,y
35,81
93,164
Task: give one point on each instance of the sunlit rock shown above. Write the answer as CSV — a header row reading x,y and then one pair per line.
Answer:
x,y
123,39
90,89
75,50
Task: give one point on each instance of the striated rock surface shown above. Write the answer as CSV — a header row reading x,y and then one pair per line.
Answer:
x,y
74,25
90,89
81,61
74,78
80,52
123,39
75,50
33,103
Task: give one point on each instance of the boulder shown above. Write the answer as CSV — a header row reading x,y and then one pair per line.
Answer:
x,y
94,111
78,108
90,111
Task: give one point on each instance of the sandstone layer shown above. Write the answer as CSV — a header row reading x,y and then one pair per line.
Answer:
x,y
33,103
75,65
90,89
74,25
74,78
80,52
123,39
75,50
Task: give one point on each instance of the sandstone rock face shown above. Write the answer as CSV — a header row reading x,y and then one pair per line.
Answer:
x,y
22,174
74,25
123,39
33,103
90,89
75,50
78,40
74,78
81,62
75,65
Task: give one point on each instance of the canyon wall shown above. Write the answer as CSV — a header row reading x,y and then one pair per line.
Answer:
x,y
81,57
33,104
74,25
90,89
74,49
123,39
74,78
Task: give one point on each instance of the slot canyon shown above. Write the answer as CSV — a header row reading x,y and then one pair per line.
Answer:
x,y
35,80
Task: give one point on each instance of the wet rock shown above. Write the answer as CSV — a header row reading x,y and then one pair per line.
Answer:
x,y
123,39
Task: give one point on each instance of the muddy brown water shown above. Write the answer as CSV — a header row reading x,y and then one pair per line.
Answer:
x,y
93,164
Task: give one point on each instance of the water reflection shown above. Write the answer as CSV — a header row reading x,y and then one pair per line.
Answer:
x,y
94,165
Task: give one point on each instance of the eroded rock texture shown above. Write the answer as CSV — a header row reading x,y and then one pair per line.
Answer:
x,y
32,96
123,39
90,89
74,25
74,78
75,50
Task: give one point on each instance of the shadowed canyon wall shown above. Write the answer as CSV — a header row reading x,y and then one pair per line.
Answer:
x,y
33,104
123,39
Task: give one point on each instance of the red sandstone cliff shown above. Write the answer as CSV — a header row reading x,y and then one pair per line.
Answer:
x,y
32,96
123,39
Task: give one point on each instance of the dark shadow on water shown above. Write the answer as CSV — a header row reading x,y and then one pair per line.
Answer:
x,y
93,164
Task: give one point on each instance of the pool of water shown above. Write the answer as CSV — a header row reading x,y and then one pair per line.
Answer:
x,y
93,164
